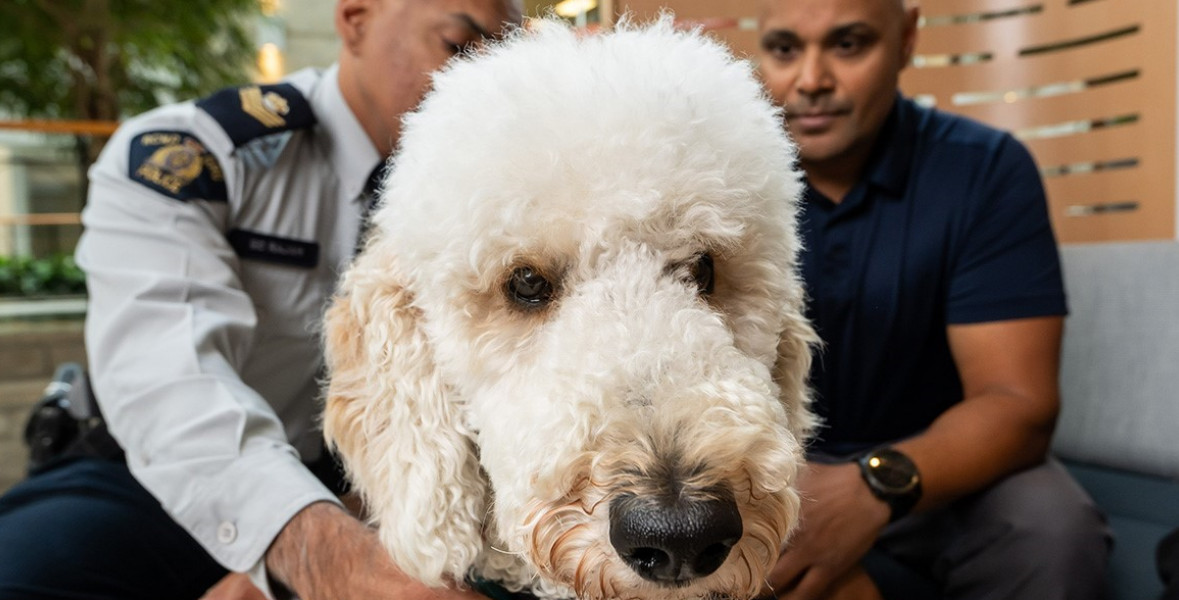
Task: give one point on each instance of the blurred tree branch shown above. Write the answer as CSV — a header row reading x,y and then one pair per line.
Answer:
x,y
104,60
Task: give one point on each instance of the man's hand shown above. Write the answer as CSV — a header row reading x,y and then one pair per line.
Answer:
x,y
324,553
839,522
234,586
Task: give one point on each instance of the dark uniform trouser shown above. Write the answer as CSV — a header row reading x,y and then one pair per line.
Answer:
x,y
84,528
1036,535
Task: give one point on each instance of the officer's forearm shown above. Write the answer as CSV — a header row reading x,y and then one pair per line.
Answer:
x,y
324,553
317,546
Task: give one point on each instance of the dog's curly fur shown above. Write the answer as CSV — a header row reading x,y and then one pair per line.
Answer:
x,y
489,436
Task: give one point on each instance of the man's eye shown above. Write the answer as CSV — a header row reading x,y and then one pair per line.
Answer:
x,y
458,47
782,52
849,45
780,45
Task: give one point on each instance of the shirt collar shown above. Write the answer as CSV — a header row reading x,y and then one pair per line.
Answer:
x,y
888,165
350,151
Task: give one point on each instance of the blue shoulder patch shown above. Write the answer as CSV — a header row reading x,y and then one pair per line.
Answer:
x,y
254,111
176,164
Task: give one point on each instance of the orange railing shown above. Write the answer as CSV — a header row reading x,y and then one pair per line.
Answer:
x,y
96,128
37,219
37,224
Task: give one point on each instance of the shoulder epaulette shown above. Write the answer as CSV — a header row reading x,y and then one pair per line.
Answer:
x,y
251,112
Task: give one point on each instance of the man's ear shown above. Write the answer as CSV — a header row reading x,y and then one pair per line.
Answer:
x,y
352,17
909,35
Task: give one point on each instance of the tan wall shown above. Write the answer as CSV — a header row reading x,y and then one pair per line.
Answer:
x,y
310,33
734,21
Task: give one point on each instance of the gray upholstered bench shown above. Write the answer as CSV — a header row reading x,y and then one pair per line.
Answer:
x,y
1119,424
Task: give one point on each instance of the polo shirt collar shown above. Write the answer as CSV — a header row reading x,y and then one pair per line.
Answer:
x,y
888,166
352,154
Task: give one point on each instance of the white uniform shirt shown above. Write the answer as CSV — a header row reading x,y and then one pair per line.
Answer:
x,y
211,247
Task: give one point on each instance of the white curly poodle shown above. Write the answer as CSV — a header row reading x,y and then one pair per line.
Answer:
x,y
571,357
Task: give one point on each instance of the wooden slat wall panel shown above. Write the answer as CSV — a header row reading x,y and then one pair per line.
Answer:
x,y
1141,50
1005,36
1143,43
1097,146
741,15
691,9
1111,57
965,7
1098,102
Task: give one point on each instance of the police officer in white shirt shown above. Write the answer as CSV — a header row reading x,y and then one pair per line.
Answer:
x,y
215,231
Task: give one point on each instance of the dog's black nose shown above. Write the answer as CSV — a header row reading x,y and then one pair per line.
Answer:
x,y
673,542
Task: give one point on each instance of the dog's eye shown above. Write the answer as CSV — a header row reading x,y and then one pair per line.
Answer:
x,y
529,288
703,274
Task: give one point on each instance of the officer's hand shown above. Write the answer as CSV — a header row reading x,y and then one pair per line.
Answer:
x,y
235,586
840,520
324,553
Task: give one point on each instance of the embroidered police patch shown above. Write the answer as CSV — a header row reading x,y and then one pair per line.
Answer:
x,y
177,165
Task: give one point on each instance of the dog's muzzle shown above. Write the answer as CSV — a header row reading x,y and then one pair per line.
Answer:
x,y
676,540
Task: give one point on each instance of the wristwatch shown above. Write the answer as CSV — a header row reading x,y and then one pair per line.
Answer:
x,y
893,477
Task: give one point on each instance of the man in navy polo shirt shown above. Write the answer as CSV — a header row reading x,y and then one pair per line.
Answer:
x,y
934,282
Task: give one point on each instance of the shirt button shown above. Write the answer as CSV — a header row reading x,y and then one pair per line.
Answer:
x,y
226,532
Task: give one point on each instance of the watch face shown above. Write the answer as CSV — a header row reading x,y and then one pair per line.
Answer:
x,y
893,471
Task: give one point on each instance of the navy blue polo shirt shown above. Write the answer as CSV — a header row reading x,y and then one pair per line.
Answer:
x,y
949,225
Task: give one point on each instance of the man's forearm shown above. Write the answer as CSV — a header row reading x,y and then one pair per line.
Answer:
x,y
319,547
324,553
1004,422
287,560
974,444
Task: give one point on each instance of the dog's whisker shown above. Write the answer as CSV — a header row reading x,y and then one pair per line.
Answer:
x,y
750,574
506,552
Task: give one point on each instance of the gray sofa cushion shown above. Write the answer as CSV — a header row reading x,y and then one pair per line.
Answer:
x,y
1120,361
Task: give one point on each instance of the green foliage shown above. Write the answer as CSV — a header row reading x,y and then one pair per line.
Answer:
x,y
108,59
55,275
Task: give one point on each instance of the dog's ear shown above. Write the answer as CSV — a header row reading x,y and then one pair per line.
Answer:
x,y
791,369
400,435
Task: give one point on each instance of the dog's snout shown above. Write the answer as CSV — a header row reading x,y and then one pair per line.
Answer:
x,y
674,542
